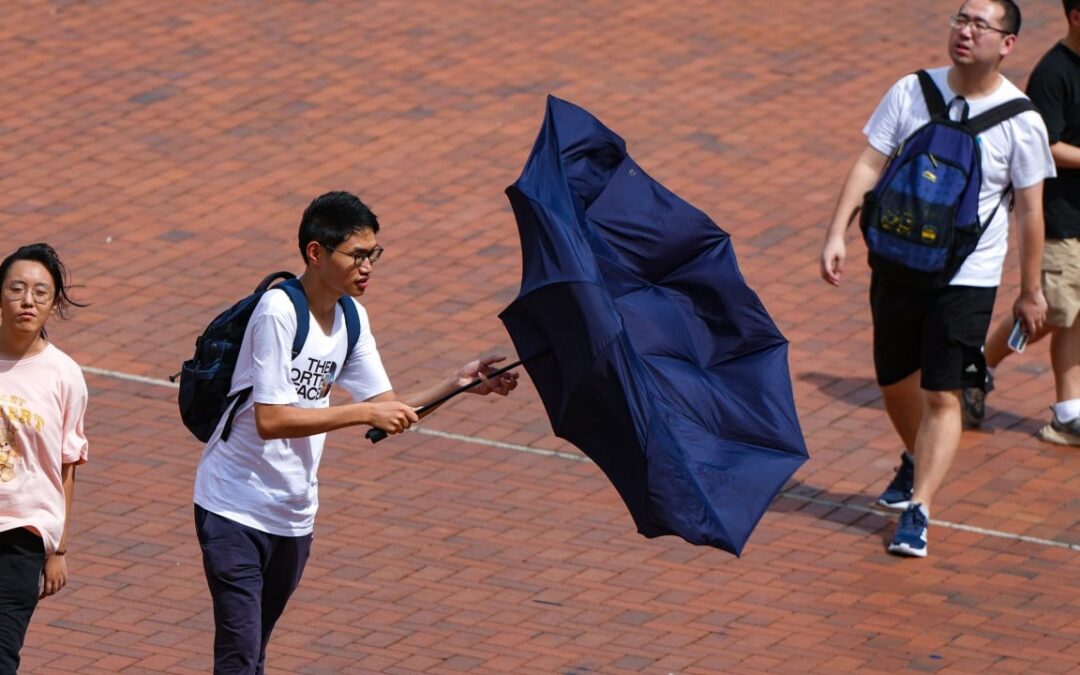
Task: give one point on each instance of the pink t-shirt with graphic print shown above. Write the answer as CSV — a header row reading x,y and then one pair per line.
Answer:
x,y
42,404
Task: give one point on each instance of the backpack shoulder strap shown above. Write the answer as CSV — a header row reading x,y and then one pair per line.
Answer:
x,y
295,292
269,280
999,114
291,286
352,323
992,118
241,397
935,102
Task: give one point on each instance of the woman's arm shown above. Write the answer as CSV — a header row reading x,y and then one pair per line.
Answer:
x,y
55,576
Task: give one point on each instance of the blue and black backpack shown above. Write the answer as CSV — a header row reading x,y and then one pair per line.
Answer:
x,y
921,220
206,378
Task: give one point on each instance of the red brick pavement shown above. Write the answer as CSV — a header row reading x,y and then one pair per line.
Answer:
x,y
167,149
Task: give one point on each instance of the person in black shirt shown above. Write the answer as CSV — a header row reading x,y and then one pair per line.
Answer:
x,y
1054,88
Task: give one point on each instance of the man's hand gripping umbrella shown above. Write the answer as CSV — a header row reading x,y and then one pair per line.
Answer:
x,y
479,379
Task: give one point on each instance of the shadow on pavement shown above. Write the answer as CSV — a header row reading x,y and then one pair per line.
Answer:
x,y
849,510
861,392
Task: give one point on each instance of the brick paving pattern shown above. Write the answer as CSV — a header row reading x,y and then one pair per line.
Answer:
x,y
168,149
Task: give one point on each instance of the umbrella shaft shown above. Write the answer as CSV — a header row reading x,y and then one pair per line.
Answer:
x,y
439,401
375,435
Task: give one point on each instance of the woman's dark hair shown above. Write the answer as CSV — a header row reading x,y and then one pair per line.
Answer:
x,y
46,255
332,218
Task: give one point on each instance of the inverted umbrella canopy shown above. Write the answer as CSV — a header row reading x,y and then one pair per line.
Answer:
x,y
649,351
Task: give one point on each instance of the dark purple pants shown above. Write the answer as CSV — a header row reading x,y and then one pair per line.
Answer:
x,y
251,575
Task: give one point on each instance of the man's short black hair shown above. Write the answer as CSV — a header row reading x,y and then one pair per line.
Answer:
x,y
332,218
1010,21
1070,5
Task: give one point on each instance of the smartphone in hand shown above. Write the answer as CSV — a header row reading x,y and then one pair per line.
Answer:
x,y
1018,337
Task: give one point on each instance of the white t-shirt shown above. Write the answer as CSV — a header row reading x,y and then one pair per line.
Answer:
x,y
271,485
1015,151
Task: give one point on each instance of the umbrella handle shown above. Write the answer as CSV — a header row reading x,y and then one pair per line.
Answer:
x,y
375,434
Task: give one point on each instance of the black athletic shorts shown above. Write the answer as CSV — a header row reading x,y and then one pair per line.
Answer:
x,y
938,332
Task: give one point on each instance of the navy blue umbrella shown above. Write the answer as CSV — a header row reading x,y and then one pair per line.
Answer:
x,y
649,351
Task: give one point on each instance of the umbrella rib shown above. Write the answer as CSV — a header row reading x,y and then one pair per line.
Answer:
x,y
731,356
700,253
738,437
559,282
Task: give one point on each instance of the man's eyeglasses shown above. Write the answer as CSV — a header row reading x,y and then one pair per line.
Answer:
x,y
16,290
359,257
977,26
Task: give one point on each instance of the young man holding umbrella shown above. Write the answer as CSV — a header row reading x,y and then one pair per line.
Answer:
x,y
256,493
927,344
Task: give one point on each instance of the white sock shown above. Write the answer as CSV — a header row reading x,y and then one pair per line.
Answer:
x,y
1067,411
925,511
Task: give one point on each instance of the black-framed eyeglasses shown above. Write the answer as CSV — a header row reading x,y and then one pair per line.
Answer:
x,y
977,26
41,294
359,257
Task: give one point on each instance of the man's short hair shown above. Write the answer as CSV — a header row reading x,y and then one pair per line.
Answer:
x,y
1070,5
1010,20
332,218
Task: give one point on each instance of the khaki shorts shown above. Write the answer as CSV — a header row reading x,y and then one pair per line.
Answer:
x,y
1061,280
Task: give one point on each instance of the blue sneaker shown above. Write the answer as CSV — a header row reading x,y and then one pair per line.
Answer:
x,y
910,537
898,494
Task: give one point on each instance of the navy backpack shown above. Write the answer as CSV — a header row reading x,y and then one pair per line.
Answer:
x,y
921,220
206,378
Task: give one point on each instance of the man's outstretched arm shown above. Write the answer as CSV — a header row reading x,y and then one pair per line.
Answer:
x,y
474,370
286,421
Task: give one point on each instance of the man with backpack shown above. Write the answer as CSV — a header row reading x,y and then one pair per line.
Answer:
x,y
256,490
936,248
1054,88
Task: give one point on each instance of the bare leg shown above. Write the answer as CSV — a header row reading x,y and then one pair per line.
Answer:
x,y
904,405
936,444
1065,360
997,343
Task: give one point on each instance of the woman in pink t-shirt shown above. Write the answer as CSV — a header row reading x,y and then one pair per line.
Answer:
x,y
42,403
